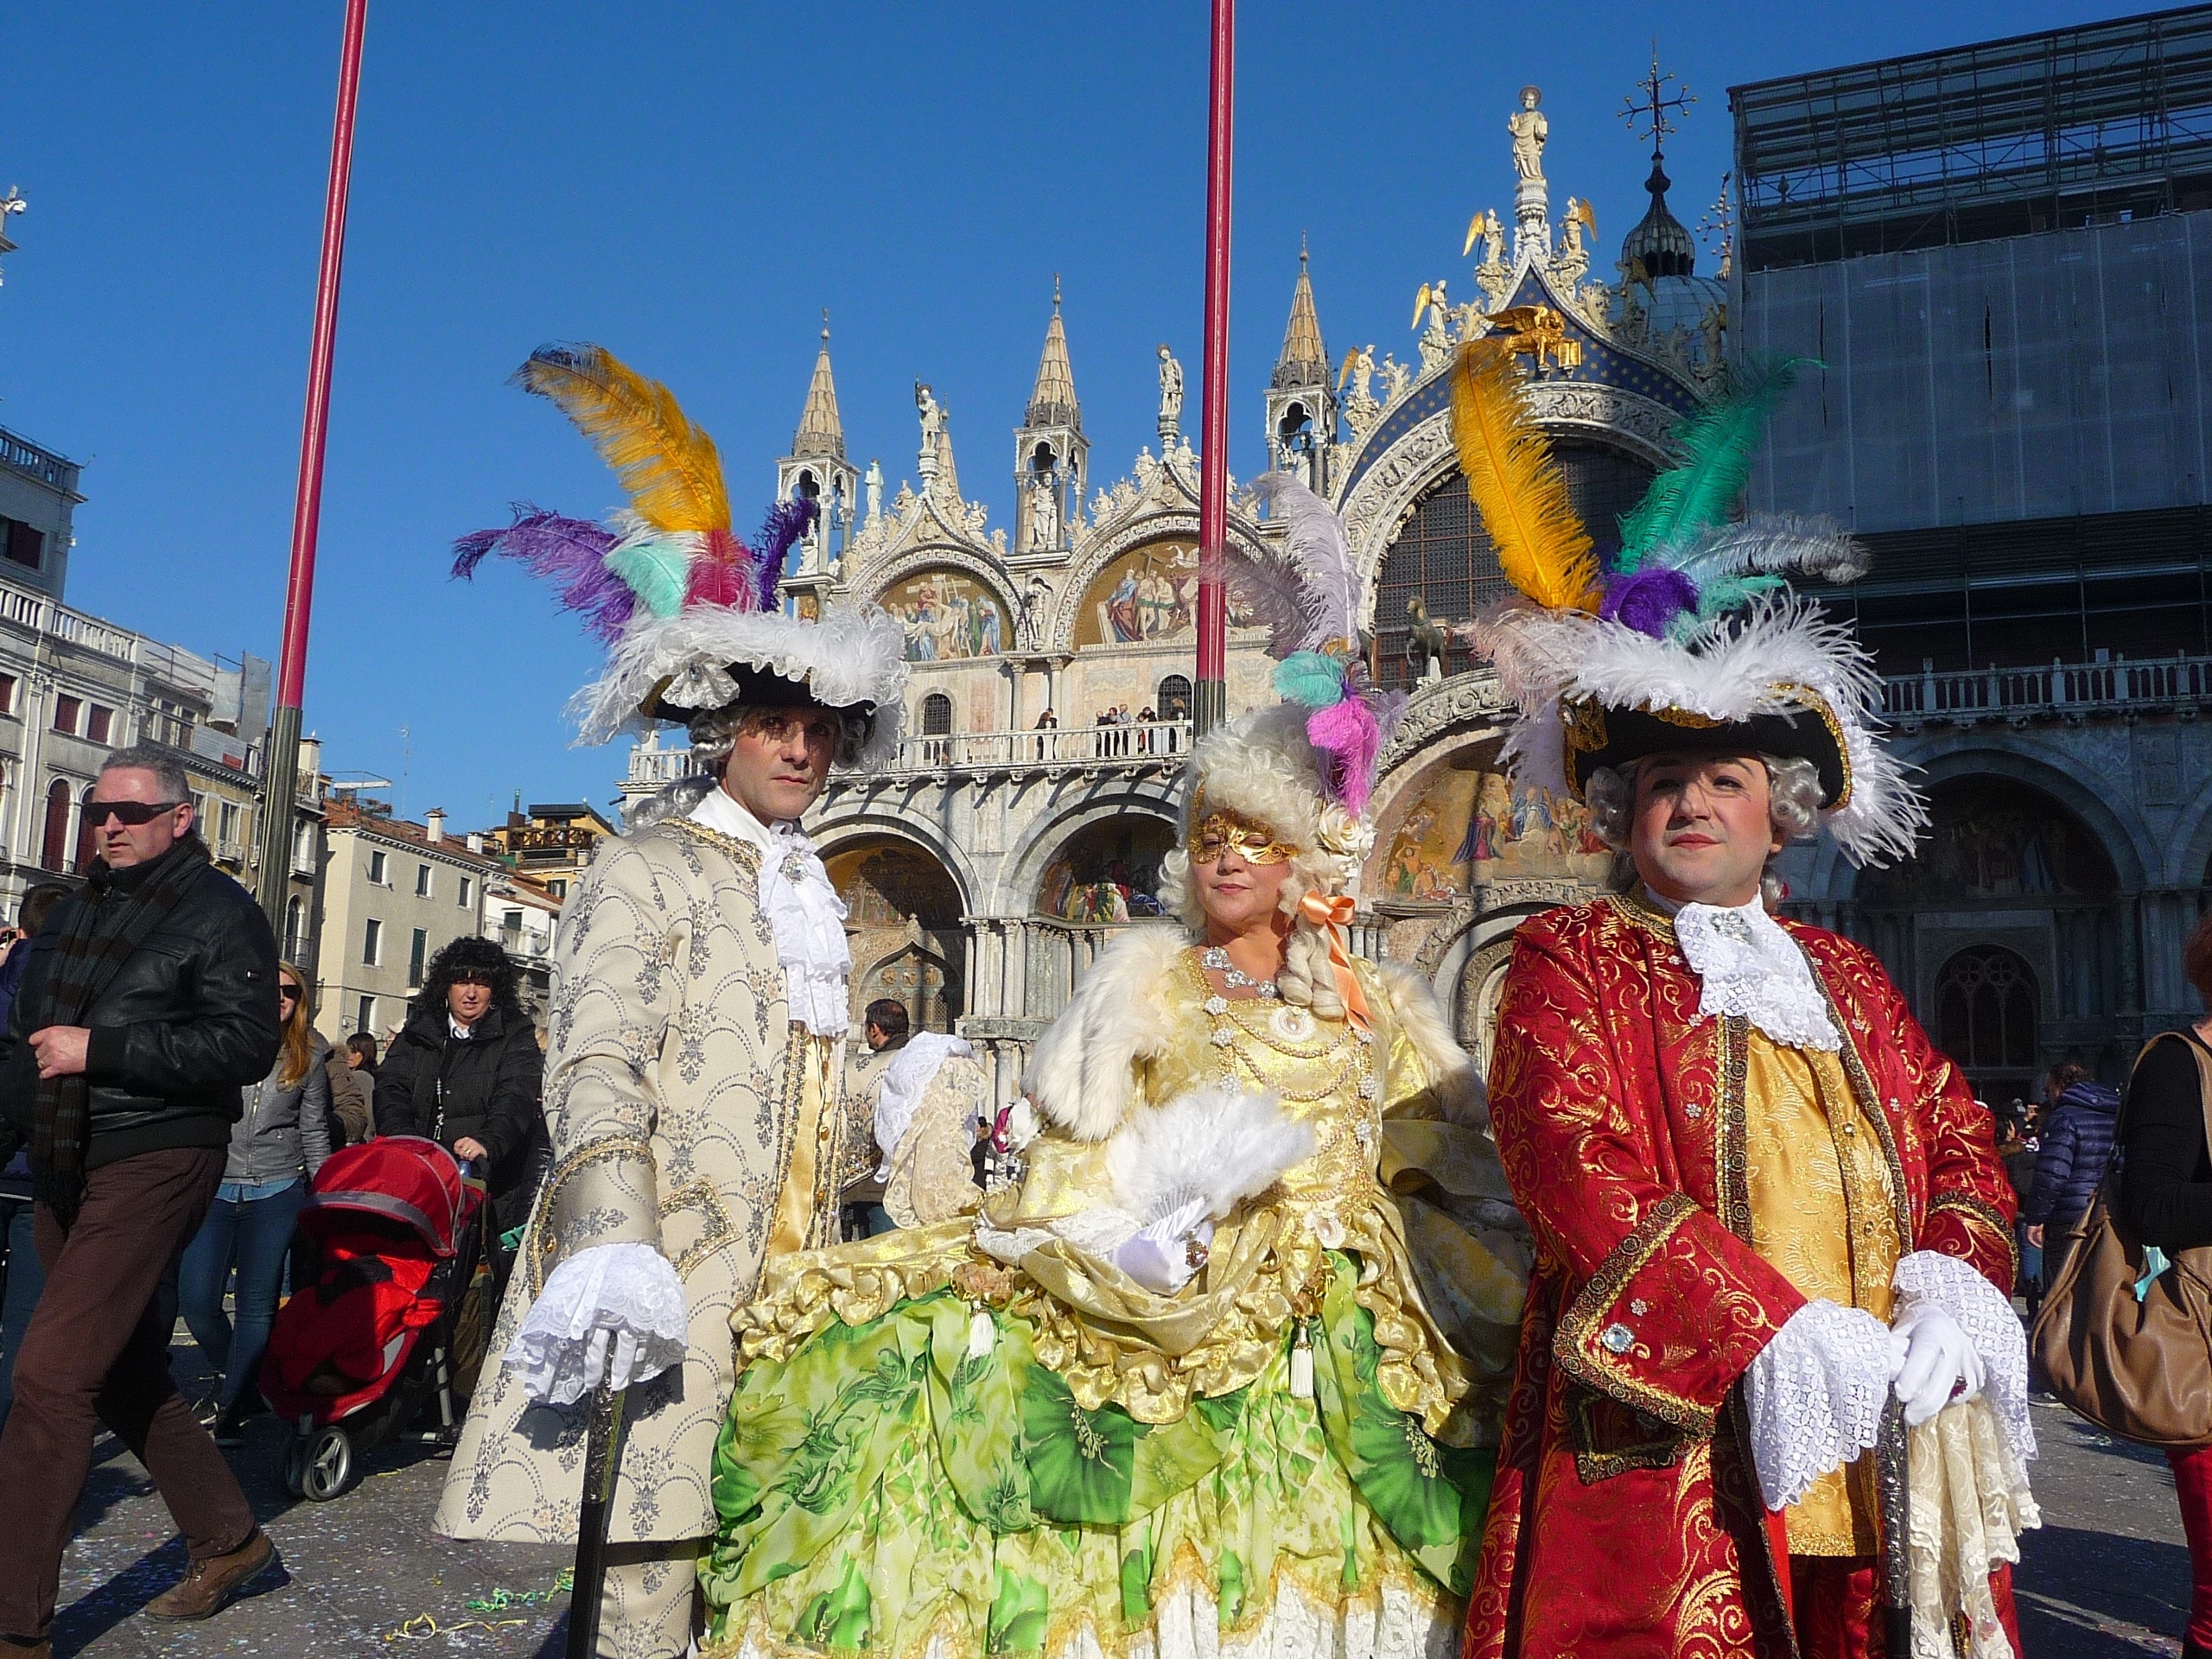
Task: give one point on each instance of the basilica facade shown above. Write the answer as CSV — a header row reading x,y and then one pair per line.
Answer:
x,y
1035,792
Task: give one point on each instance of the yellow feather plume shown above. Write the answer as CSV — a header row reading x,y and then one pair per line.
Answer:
x,y
1515,484
669,466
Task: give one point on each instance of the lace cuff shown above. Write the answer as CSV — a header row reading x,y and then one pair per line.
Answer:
x,y
1815,1397
1986,1315
615,1310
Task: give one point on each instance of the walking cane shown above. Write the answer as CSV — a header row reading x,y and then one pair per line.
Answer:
x,y
602,1458
1892,1479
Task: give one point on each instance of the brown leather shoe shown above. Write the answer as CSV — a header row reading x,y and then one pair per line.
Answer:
x,y
213,1584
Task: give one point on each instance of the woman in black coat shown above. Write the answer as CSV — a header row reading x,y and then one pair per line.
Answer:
x,y
2165,1199
466,1071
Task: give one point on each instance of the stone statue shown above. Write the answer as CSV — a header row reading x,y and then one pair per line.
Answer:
x,y
1571,263
1494,237
1044,515
932,414
874,483
1529,130
1030,628
1395,376
1170,395
1435,340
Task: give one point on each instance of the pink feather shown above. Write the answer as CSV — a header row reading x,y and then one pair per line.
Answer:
x,y
1348,732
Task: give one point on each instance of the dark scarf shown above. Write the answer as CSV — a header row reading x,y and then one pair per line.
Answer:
x,y
112,917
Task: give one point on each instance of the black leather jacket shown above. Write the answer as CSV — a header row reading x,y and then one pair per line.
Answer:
x,y
186,1023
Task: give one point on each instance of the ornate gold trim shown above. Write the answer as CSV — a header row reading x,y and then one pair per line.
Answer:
x,y
1578,1325
1664,1449
739,852
542,1246
1965,1203
1817,704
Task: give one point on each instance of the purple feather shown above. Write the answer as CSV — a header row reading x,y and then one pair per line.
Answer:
x,y
571,552
786,521
1648,599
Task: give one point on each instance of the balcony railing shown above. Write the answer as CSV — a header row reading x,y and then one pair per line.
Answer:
x,y
25,456
2063,691
1074,746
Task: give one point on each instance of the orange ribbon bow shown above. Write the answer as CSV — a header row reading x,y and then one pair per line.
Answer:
x,y
1331,915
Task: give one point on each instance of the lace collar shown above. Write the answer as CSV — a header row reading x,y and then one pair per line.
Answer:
x,y
1747,965
804,912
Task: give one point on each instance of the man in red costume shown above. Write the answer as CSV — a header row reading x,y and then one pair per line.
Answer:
x,y
1762,1202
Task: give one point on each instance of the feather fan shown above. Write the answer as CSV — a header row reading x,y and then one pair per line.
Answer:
x,y
1315,543
669,466
1718,445
1516,485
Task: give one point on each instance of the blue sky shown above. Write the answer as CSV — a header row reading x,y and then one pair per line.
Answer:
x,y
690,185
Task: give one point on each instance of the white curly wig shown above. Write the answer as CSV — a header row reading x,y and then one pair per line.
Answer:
x,y
1262,767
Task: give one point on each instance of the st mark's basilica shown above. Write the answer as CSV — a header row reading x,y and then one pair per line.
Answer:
x,y
1016,831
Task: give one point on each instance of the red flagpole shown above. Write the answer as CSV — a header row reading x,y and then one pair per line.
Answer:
x,y
281,764
1212,691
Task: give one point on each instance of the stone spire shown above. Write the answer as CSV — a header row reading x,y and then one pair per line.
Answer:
x,y
820,432
1052,402
1304,360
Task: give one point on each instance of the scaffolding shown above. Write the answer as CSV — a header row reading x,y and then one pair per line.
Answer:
x,y
2094,124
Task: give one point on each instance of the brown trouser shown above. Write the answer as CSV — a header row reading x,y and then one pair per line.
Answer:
x,y
97,1352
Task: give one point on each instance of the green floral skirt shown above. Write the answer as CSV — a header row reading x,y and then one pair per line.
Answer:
x,y
884,1488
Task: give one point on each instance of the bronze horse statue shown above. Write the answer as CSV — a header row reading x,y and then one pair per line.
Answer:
x,y
1427,639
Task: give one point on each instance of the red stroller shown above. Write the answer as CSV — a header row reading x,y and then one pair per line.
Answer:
x,y
353,1357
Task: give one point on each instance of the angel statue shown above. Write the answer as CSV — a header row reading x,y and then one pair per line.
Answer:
x,y
1436,338
1358,369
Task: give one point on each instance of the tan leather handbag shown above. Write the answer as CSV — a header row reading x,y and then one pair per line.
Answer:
x,y
2139,1369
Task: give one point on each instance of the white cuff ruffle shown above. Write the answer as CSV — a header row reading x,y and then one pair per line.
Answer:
x,y
1986,1315
613,1310
1815,1397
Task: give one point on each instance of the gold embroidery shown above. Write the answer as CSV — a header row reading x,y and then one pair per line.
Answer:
x,y
1577,1345
1988,1215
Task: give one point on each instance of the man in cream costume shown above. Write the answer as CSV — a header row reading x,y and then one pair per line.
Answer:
x,y
699,1020
1762,1200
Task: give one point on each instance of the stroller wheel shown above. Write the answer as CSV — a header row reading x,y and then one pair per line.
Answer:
x,y
327,1465
296,1467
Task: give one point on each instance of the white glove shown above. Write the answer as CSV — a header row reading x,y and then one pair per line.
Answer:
x,y
1815,1397
1936,1363
1164,1256
1996,1349
614,1311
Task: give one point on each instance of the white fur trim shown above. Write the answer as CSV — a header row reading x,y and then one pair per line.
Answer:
x,y
1450,1072
1080,1073
855,654
1751,663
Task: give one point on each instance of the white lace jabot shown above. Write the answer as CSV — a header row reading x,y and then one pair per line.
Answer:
x,y
1747,965
804,911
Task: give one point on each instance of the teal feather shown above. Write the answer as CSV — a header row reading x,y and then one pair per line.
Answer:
x,y
657,568
1718,445
1732,592
1311,677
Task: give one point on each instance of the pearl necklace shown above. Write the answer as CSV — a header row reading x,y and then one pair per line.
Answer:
x,y
1214,959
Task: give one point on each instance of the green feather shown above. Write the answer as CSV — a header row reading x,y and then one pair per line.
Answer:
x,y
1309,677
657,569
1717,445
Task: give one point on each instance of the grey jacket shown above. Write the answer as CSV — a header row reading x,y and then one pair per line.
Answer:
x,y
283,1132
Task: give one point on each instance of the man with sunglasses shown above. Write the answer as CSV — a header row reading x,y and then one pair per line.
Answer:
x,y
149,1002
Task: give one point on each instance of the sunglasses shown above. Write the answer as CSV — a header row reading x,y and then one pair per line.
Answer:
x,y
97,813
287,993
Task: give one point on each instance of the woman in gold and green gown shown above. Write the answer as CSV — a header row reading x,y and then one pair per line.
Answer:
x,y
1265,1429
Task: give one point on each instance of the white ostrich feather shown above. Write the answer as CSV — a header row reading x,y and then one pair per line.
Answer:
x,y
1314,538
1773,545
1220,1146
1749,663
855,654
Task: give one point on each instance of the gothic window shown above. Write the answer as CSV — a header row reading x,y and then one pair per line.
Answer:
x,y
808,487
936,715
1042,461
1986,1010
295,914
85,848
55,846
1294,431
1445,558
1174,702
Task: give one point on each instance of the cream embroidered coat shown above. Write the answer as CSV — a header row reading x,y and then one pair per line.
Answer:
x,y
673,1095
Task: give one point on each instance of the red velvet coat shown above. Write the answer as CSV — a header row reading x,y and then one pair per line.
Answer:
x,y
1626,1519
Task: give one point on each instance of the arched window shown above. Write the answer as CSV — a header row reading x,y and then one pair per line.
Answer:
x,y
1042,460
85,848
1986,1010
54,849
1445,558
936,715
1174,702
296,918
1295,429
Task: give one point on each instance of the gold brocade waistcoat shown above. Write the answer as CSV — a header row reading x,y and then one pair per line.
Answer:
x,y
806,1206
1824,1212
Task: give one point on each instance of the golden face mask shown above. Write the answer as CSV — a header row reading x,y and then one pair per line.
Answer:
x,y
1224,832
